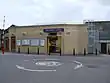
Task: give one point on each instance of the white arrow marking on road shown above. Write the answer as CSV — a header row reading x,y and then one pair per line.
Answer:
x,y
19,67
22,68
79,65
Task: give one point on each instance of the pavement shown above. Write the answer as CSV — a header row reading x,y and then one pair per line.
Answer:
x,y
23,68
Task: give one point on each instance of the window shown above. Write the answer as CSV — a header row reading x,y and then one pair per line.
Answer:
x,y
34,42
42,42
25,42
18,42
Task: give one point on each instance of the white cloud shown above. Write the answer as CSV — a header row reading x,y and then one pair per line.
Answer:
x,y
24,12
95,11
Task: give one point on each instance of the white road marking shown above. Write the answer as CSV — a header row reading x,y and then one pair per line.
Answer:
x,y
48,63
34,59
79,65
46,59
19,67
38,59
26,60
77,62
51,59
22,68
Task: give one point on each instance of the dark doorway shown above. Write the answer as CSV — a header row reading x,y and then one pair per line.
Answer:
x,y
52,41
13,43
6,44
54,34
104,48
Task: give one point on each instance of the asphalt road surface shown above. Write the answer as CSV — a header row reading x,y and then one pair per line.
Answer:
x,y
54,69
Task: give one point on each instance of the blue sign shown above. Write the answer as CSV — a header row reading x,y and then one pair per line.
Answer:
x,y
54,30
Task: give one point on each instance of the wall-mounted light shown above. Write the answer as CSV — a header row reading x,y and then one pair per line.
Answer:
x,y
41,32
24,33
67,33
12,34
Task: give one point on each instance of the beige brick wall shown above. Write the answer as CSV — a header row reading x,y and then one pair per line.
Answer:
x,y
11,31
33,33
70,40
77,39
83,39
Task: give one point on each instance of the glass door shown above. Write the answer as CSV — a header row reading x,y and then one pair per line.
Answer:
x,y
53,43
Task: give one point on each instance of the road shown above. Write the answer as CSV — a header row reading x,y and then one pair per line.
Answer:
x,y
54,69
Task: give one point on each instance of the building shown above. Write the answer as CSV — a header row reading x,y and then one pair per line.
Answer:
x,y
51,38
98,36
6,39
1,32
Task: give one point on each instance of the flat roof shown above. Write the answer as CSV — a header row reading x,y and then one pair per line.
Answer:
x,y
98,22
42,25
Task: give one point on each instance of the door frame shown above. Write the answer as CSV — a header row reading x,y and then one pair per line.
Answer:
x,y
48,48
104,49
6,43
13,49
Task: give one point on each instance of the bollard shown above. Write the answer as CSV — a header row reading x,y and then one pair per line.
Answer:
x,y
38,50
84,51
19,50
96,51
108,51
28,50
49,52
74,51
60,51
99,52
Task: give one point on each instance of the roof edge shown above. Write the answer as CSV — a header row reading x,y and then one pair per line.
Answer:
x,y
15,26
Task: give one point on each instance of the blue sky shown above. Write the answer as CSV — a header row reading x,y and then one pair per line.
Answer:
x,y
28,12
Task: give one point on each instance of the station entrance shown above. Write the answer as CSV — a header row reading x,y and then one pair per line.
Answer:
x,y
13,43
54,39
53,43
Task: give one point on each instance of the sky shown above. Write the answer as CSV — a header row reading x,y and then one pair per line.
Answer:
x,y
33,12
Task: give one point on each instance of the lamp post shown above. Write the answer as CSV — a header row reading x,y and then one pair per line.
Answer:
x,y
3,36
